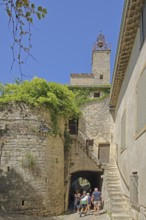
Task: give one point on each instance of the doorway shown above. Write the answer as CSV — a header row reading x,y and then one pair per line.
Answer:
x,y
103,153
84,180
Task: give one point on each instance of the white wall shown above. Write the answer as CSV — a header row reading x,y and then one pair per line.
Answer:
x,y
133,157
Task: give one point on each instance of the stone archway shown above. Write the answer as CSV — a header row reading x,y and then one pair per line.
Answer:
x,y
93,177
79,164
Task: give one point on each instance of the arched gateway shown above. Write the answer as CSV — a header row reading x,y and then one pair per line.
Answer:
x,y
80,166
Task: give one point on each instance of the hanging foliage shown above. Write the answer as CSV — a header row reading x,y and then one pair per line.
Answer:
x,y
57,98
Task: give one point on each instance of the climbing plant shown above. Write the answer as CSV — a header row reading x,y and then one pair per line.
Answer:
x,y
67,140
82,94
57,98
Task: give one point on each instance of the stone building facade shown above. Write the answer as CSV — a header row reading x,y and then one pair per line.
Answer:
x,y
96,126
31,162
93,142
96,123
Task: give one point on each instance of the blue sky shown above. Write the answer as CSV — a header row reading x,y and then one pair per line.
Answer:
x,y
62,42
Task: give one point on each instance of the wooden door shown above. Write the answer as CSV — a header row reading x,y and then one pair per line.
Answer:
x,y
103,153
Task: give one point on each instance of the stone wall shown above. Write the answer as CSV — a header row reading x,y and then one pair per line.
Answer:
x,y
101,66
31,162
81,79
96,123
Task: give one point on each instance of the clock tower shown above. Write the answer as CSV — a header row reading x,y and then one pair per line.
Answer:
x,y
101,61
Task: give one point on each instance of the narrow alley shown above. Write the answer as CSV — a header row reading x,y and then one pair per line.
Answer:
x,y
73,216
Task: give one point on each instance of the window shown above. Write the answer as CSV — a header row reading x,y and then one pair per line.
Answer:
x,y
101,76
141,104
89,142
103,153
134,190
96,94
123,131
143,24
89,145
73,126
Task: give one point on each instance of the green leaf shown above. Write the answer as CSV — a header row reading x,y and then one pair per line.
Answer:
x,y
38,15
32,6
44,11
31,20
40,8
28,14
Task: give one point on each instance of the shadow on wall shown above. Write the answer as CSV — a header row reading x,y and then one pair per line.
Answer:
x,y
18,196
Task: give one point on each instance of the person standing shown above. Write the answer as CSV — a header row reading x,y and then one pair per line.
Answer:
x,y
75,200
89,202
84,203
96,199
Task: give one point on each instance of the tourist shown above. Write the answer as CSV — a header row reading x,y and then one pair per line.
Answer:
x,y
75,200
78,202
83,203
96,199
89,202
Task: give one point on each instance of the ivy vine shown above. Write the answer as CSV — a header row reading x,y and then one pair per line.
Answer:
x,y
60,100
57,98
82,94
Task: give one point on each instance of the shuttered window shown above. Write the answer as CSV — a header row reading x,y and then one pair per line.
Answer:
x,y
134,190
123,131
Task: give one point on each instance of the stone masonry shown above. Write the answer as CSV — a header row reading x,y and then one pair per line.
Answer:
x,y
31,162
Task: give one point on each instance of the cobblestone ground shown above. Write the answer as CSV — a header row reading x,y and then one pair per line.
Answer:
x,y
73,216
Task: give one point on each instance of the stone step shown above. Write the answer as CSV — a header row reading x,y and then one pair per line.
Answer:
x,y
113,184
111,170
116,193
119,209
110,167
115,187
117,199
112,177
120,216
112,180
114,190
122,203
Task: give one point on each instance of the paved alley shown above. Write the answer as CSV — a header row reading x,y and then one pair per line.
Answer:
x,y
73,216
